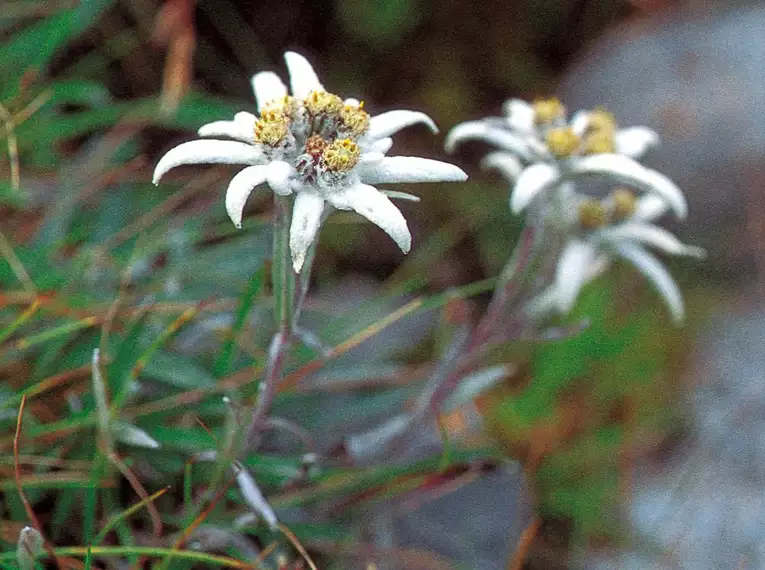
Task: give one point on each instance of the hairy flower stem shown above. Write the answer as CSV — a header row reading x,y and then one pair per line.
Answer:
x,y
466,349
282,275
283,280
509,288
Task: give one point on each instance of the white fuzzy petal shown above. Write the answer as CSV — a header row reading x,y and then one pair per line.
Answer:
x,y
240,188
377,208
580,121
379,145
267,87
649,207
524,146
306,219
635,141
207,151
530,183
632,173
656,273
370,157
303,78
409,169
519,115
279,176
391,122
650,235
396,195
507,164
572,272
242,128
352,102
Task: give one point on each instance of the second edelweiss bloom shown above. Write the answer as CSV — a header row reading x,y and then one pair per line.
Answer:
x,y
551,160
541,150
317,146
620,225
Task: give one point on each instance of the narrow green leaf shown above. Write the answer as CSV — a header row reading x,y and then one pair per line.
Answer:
x,y
226,355
35,46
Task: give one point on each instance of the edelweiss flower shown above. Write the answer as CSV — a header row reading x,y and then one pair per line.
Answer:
x,y
317,146
542,150
618,225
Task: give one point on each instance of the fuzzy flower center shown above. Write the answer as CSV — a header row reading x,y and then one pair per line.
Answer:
x,y
562,142
355,119
598,142
548,110
601,120
323,103
618,206
318,134
592,214
272,127
624,203
341,155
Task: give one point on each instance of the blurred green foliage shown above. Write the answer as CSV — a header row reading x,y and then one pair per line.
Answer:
x,y
179,305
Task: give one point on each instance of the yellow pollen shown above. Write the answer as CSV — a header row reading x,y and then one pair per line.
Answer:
x,y
341,155
284,105
598,142
355,118
562,142
322,102
547,110
600,119
624,203
272,127
592,214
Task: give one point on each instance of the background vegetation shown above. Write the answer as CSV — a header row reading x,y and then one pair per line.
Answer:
x,y
177,300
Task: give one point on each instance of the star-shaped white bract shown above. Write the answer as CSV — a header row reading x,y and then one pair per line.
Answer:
x,y
314,145
550,161
594,240
541,150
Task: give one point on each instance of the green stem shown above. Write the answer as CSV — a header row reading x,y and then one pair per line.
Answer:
x,y
283,279
282,274
155,552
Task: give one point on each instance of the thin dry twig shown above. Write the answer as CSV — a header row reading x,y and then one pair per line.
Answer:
x,y
20,488
298,546
140,490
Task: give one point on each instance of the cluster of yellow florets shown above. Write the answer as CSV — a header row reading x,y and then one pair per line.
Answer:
x,y
341,155
623,203
616,207
323,103
548,110
601,133
272,126
562,141
355,119
598,138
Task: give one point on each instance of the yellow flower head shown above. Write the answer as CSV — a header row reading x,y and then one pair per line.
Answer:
x,y
284,105
598,142
322,102
562,142
341,155
355,118
624,203
592,214
272,127
600,120
547,110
